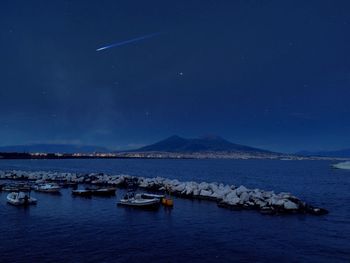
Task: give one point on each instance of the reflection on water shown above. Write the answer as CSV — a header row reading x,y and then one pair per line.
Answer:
x,y
67,228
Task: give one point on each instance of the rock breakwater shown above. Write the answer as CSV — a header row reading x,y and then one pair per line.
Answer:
x,y
226,196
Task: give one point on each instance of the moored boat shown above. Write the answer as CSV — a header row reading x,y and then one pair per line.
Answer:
x,y
152,196
136,201
19,187
10,188
47,188
20,198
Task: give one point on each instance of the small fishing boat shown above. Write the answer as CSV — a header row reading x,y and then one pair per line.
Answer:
x,y
20,198
152,196
47,188
165,201
10,188
24,187
19,187
136,200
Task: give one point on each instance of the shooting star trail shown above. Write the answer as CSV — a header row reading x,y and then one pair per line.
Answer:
x,y
122,43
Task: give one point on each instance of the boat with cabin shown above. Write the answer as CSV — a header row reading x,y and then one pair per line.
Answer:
x,y
20,199
47,188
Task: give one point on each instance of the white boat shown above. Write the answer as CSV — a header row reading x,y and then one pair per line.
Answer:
x,y
152,196
342,165
132,200
47,188
20,198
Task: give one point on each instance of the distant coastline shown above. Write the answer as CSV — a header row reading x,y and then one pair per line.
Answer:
x,y
173,147
163,155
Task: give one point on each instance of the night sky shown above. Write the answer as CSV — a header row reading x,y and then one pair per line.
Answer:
x,y
270,74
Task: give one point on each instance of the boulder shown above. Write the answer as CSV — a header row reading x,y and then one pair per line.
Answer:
x,y
203,186
244,197
241,189
234,201
289,205
205,193
189,189
230,196
260,203
180,187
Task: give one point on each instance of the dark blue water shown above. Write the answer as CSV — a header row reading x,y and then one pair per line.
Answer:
x,y
64,228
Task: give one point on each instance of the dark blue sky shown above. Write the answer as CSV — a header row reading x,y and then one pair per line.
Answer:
x,y
271,74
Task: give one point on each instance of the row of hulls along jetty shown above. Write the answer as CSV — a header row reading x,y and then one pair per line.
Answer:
x,y
20,194
95,191
226,196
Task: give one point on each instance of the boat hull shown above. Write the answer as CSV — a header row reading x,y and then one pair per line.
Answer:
x,y
48,188
152,196
20,199
144,204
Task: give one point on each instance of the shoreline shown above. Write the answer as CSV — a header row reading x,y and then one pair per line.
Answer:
x,y
164,155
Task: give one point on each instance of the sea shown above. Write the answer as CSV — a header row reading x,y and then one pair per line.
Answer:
x,y
63,228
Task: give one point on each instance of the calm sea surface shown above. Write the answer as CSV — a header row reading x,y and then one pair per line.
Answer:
x,y
67,229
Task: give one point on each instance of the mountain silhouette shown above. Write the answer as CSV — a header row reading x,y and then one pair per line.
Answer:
x,y
204,144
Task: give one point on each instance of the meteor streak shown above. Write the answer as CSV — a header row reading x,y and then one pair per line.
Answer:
x,y
125,42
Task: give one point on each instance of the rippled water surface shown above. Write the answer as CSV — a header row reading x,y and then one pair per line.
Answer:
x,y
65,228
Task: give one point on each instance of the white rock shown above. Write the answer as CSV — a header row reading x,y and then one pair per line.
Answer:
x,y
230,196
213,187
244,197
241,189
221,193
260,203
196,192
234,201
289,205
276,200
203,186
188,189
205,193
180,187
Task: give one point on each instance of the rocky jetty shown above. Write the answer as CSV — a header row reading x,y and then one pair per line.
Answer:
x,y
227,196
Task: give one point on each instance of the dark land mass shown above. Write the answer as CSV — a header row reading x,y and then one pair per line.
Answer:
x,y
53,148
344,153
12,155
174,147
